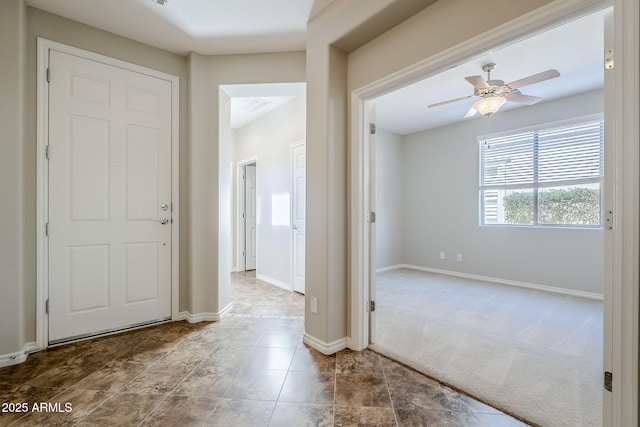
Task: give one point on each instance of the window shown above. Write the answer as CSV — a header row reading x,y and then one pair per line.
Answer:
x,y
544,177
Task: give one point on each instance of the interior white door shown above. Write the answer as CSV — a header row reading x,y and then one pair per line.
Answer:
x,y
299,164
609,203
250,217
371,149
109,198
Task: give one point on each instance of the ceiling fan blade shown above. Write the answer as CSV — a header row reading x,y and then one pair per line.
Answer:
x,y
522,99
535,78
437,104
478,82
470,113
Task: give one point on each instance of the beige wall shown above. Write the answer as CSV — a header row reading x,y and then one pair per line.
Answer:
x,y
17,260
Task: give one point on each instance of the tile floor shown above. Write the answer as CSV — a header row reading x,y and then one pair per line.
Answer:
x,y
249,369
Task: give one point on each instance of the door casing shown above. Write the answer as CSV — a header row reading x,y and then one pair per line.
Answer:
x,y
42,208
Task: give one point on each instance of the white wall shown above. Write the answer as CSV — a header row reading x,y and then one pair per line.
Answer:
x,y
269,139
389,198
441,205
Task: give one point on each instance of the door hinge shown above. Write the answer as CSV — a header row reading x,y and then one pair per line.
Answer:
x,y
371,306
46,152
46,306
608,381
372,128
608,220
244,253
371,217
48,75
46,229
609,59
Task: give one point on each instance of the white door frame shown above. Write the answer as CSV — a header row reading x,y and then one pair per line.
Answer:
x,y
621,409
240,264
42,182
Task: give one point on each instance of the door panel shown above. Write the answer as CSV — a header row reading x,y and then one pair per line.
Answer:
x,y
89,168
143,177
109,174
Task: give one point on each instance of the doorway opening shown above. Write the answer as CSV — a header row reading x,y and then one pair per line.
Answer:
x,y
266,121
364,233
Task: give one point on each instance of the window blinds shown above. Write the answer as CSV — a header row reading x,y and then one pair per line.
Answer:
x,y
562,155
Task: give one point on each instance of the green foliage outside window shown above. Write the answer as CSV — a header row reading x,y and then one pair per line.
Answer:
x,y
555,206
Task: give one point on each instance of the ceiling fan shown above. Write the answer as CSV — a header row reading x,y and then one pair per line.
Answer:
x,y
494,93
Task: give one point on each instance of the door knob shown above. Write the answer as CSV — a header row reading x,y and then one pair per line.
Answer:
x,y
163,221
295,226
164,206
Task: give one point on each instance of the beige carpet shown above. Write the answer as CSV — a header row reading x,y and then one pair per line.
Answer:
x,y
533,354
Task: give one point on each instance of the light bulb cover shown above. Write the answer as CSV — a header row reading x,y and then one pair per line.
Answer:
x,y
490,105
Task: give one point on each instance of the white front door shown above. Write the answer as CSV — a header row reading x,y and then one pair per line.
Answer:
x,y
250,217
109,198
299,163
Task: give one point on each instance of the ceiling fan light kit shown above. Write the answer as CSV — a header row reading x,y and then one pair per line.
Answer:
x,y
495,93
490,105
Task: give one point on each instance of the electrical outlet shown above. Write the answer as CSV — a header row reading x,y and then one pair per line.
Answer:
x,y
441,255
459,257
314,305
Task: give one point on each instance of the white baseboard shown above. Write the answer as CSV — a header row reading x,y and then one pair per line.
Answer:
x,y
225,311
274,282
391,267
563,291
19,357
323,347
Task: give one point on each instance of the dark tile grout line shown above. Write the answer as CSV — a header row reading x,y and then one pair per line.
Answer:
x,y
386,382
456,389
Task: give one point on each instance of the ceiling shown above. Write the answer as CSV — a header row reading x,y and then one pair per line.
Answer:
x,y
205,26
250,101
210,27
575,49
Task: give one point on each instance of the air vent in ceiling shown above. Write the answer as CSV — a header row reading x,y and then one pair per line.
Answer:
x,y
254,104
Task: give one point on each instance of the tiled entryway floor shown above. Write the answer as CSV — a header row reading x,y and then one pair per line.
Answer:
x,y
249,369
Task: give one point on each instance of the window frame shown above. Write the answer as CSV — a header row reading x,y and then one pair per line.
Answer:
x,y
536,186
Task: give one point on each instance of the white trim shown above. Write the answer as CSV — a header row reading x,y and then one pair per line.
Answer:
x,y
553,289
626,250
275,282
239,194
19,357
391,267
203,317
42,207
623,409
323,347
